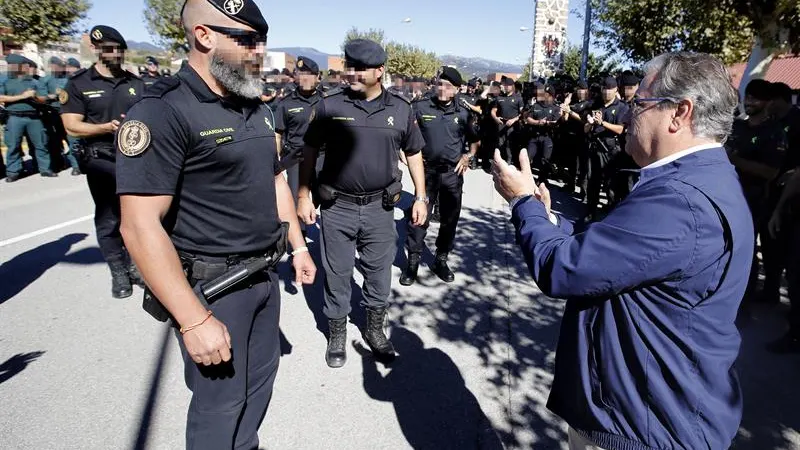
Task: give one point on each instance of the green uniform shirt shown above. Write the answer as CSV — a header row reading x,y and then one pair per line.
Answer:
x,y
18,85
55,85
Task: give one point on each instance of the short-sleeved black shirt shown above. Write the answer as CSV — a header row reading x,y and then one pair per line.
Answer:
x,y
363,139
763,143
149,79
100,99
791,128
540,111
292,116
509,106
615,114
582,109
445,128
216,156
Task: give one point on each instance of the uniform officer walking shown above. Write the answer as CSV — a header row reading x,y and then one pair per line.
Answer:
x,y
93,103
200,148
152,74
55,84
292,116
541,119
446,126
23,95
364,128
607,125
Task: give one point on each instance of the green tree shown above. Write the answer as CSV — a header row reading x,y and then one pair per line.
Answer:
x,y
409,60
41,22
596,65
163,20
373,34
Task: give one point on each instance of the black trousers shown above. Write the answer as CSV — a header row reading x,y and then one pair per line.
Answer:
x,y
577,160
541,145
344,228
596,178
230,400
448,187
103,187
623,174
507,143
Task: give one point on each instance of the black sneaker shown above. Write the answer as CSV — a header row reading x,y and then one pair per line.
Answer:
x,y
12,177
76,172
49,174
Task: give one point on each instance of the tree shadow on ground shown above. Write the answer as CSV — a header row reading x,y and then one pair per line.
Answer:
x,y
24,269
16,364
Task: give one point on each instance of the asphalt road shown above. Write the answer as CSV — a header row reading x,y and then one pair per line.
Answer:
x,y
81,370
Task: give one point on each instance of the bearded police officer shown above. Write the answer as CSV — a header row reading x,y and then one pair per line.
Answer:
x,y
93,103
22,96
292,116
446,126
202,192
364,128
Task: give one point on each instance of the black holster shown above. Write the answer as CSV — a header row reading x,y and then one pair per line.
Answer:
x,y
392,194
220,275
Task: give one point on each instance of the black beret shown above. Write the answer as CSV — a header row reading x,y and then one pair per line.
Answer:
x,y
286,72
243,11
629,79
507,82
166,72
495,83
781,91
72,62
307,65
609,83
452,75
151,60
55,60
364,53
582,85
760,89
274,72
13,58
102,33
550,89
472,83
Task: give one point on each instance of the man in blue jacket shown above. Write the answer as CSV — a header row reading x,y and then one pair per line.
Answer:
x,y
648,342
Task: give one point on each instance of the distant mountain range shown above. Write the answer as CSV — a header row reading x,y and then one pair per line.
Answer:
x,y
468,66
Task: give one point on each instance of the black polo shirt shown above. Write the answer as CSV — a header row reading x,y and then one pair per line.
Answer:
x,y
363,140
292,116
540,111
216,156
508,106
582,109
445,128
614,113
149,79
100,99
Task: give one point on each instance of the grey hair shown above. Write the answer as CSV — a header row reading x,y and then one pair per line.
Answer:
x,y
703,79
234,80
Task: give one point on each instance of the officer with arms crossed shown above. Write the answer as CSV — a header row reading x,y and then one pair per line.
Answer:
x,y
445,125
364,129
202,191
93,103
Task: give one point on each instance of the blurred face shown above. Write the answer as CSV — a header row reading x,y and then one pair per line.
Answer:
x,y
629,91
648,125
495,90
445,91
582,94
361,78
471,90
754,106
307,81
609,95
539,94
71,69
152,68
111,55
236,56
398,82
15,69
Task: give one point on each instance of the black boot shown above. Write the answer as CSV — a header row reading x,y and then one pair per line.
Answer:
x,y
409,275
135,276
336,354
120,281
441,270
375,337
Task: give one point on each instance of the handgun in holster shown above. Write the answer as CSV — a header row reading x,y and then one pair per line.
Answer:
x,y
211,289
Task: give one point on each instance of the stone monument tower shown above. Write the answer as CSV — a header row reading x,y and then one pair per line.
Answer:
x,y
549,36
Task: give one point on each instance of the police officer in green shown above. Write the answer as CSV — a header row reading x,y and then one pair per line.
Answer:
x,y
55,83
21,93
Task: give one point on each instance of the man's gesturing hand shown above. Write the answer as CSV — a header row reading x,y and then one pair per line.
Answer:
x,y
209,343
304,268
511,182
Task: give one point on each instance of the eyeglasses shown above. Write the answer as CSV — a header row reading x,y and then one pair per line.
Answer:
x,y
244,38
639,102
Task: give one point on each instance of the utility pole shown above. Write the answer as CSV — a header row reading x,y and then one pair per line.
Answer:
x,y
587,29
533,43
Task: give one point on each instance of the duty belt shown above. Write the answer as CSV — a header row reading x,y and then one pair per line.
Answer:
x,y
360,200
30,114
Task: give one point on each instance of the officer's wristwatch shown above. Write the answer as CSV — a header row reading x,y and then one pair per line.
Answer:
x,y
425,199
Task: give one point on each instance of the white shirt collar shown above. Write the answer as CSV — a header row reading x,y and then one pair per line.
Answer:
x,y
675,156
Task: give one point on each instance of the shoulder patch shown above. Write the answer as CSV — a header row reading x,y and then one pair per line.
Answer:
x,y
332,92
407,101
161,87
63,96
133,138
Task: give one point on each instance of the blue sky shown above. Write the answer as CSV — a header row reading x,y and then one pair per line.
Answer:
x,y
443,26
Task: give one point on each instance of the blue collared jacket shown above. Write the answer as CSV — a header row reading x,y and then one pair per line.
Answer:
x,y
648,342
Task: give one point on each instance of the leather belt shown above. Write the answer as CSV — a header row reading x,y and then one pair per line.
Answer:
x,y
360,200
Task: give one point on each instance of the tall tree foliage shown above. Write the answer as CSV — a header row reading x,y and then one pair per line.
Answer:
x,y
41,22
163,21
